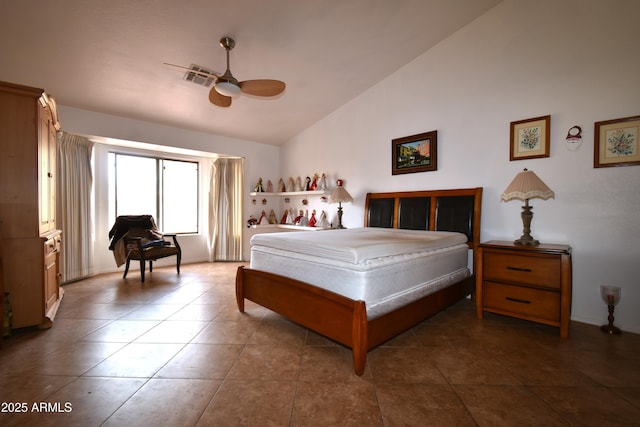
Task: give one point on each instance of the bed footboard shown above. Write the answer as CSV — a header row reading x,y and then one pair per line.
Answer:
x,y
327,313
337,317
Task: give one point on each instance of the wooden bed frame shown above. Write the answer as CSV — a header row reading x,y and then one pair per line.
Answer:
x,y
345,320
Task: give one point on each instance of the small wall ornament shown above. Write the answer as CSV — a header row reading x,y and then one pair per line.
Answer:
x,y
574,138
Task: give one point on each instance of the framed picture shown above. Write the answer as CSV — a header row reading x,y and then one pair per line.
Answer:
x,y
616,142
530,138
415,153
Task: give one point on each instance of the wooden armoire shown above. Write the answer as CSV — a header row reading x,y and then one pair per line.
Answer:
x,y
30,239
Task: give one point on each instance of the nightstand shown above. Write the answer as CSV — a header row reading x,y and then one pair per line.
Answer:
x,y
528,282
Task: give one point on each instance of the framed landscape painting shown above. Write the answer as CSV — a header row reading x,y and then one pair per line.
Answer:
x,y
415,153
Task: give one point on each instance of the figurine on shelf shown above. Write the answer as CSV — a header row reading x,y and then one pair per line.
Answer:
x,y
323,223
284,217
312,220
307,184
281,187
291,186
263,217
272,217
297,219
290,216
304,221
251,221
298,184
258,188
314,183
322,185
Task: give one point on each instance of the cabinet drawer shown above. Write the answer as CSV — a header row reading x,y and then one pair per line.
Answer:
x,y
528,302
51,246
540,270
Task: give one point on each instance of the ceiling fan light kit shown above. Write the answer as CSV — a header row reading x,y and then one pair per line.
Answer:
x,y
226,87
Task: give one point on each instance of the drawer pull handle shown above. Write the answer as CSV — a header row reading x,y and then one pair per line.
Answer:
x,y
526,270
521,301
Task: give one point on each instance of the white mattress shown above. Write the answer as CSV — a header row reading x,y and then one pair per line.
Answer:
x,y
386,268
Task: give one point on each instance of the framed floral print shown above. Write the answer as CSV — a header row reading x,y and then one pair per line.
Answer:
x,y
415,153
530,138
616,142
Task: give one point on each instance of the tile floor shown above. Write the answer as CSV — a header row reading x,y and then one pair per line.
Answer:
x,y
176,352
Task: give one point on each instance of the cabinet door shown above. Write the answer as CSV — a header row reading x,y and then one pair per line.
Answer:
x,y
47,164
53,152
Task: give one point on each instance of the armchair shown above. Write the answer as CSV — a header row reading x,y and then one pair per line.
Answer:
x,y
136,237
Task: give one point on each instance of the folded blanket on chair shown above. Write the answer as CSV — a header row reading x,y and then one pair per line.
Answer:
x,y
125,222
142,226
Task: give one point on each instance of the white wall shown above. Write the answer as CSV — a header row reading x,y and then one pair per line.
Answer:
x,y
576,60
259,159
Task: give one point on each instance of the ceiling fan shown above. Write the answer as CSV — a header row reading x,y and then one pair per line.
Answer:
x,y
226,87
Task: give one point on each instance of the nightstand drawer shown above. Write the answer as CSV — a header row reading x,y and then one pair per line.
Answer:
x,y
538,270
527,302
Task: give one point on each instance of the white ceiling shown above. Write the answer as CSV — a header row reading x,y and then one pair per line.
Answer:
x,y
107,56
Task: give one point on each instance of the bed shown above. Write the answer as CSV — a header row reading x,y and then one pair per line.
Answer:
x,y
363,294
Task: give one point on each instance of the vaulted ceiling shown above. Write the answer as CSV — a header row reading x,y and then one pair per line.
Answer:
x,y
107,56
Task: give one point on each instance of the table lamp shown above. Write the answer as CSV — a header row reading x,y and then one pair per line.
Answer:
x,y
526,185
340,195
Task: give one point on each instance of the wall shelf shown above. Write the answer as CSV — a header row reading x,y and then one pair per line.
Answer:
x,y
292,193
287,227
280,197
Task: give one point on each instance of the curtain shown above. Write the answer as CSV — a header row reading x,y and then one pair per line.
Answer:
x,y
74,206
226,182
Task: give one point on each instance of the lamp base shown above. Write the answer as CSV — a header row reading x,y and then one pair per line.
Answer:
x,y
526,241
610,329
526,238
340,226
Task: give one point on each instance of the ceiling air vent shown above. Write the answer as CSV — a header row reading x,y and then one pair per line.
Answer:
x,y
199,75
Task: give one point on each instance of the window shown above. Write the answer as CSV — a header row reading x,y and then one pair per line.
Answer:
x,y
166,189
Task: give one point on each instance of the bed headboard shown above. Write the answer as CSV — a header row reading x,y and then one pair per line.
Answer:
x,y
436,210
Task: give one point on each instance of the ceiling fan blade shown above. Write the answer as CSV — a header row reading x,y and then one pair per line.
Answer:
x,y
263,87
218,99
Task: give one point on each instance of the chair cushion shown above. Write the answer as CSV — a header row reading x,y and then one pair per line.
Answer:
x,y
154,253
